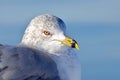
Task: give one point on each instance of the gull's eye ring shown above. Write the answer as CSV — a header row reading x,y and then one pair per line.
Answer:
x,y
47,33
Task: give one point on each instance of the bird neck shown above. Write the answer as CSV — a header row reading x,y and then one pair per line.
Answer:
x,y
68,64
52,51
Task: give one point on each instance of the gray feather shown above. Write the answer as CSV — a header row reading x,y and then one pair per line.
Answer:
x,y
22,63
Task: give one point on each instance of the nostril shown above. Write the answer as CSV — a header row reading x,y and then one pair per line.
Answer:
x,y
70,41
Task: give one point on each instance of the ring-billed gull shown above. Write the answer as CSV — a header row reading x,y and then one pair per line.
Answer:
x,y
44,53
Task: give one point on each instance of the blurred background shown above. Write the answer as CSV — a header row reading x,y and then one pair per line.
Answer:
x,y
94,24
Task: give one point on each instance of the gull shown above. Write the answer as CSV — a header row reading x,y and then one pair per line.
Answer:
x,y
45,53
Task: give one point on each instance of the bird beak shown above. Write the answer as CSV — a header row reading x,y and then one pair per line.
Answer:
x,y
70,42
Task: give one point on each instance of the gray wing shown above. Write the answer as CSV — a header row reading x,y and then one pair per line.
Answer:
x,y
20,63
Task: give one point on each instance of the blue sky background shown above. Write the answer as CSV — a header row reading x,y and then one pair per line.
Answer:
x,y
95,24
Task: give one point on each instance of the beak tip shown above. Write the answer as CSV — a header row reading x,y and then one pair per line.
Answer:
x,y
77,47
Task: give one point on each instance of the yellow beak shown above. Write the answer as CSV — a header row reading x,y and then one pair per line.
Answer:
x,y
70,42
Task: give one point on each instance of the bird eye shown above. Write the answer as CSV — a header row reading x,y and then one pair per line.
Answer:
x,y
46,32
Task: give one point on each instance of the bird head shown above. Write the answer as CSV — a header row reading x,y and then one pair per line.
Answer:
x,y
48,32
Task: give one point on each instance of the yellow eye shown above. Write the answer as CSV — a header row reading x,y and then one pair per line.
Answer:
x,y
46,33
